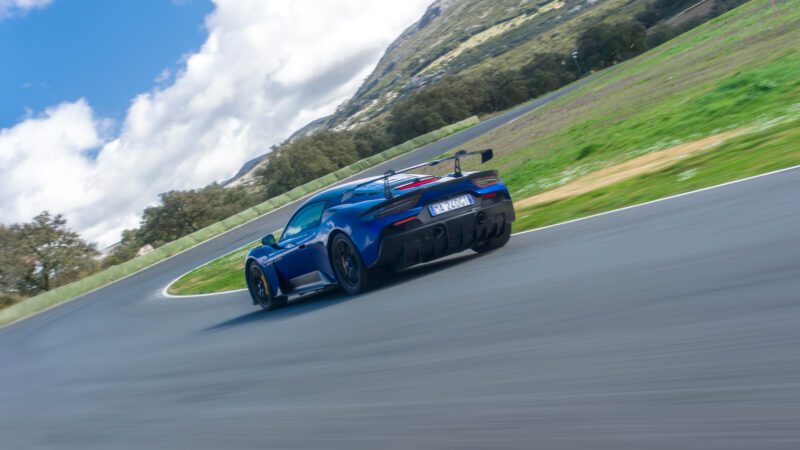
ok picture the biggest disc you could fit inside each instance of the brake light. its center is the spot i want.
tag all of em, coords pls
(406, 220)
(417, 183)
(489, 195)
(483, 182)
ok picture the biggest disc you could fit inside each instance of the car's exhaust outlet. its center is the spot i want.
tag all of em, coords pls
(481, 218)
(438, 231)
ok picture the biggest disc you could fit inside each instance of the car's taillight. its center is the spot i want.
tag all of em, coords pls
(406, 220)
(397, 206)
(483, 182)
(417, 183)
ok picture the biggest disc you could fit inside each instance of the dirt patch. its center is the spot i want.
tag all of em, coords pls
(652, 162)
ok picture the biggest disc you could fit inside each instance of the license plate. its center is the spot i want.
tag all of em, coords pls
(449, 205)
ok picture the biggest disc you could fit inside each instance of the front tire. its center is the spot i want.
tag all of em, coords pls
(259, 290)
(353, 276)
(495, 242)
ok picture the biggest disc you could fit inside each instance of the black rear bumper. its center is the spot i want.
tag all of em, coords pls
(438, 237)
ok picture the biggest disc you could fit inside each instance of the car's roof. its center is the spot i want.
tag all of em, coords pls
(368, 191)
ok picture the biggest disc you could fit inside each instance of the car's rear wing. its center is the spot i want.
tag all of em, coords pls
(485, 155)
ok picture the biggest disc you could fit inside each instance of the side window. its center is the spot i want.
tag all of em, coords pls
(305, 219)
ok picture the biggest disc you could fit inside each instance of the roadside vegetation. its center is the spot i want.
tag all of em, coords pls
(737, 72)
(732, 72)
(40, 255)
(64, 292)
(474, 37)
(447, 101)
(772, 148)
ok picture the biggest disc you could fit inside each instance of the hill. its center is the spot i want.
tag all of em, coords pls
(715, 104)
(455, 36)
(462, 36)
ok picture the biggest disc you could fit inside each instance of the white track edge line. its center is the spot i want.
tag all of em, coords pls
(580, 219)
(166, 294)
(662, 199)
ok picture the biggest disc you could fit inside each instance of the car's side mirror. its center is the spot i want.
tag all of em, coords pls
(268, 240)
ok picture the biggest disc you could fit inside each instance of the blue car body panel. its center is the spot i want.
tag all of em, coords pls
(300, 263)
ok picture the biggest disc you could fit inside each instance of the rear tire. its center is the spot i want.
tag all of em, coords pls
(495, 242)
(259, 290)
(353, 276)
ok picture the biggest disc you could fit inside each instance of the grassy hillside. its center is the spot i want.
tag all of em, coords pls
(739, 70)
(772, 148)
(475, 35)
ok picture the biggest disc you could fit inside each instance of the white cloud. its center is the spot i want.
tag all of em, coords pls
(163, 76)
(10, 8)
(266, 68)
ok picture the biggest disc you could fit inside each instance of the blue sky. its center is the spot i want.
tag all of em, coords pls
(86, 130)
(105, 51)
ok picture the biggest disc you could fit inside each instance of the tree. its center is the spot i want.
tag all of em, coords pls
(309, 157)
(547, 72)
(660, 33)
(12, 269)
(179, 214)
(659, 10)
(43, 254)
(604, 44)
(183, 212)
(504, 89)
(447, 101)
(371, 138)
(125, 250)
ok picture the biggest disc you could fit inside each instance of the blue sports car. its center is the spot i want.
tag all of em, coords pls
(353, 233)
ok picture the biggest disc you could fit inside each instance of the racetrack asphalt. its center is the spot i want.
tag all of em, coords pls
(671, 325)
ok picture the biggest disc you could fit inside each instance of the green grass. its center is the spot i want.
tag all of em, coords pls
(222, 274)
(772, 148)
(737, 70)
(73, 290)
